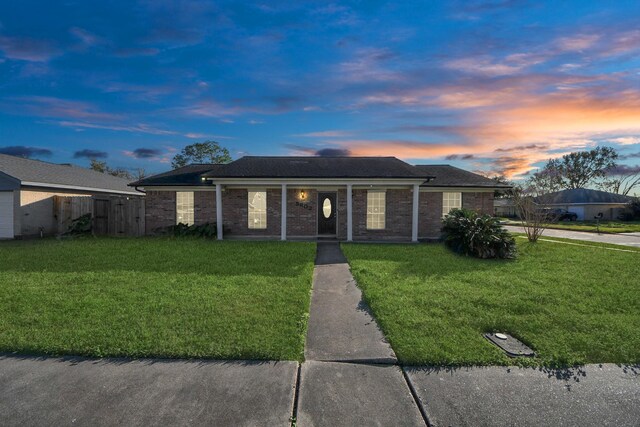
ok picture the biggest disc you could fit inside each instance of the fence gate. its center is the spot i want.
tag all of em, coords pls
(101, 217)
(111, 215)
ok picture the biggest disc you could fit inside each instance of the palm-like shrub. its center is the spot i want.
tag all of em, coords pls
(481, 236)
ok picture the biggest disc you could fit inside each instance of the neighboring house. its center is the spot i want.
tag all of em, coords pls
(28, 187)
(504, 208)
(588, 204)
(347, 198)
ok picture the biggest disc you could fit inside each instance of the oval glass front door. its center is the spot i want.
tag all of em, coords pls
(326, 208)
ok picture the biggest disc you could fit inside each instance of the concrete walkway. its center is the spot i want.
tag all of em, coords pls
(334, 390)
(341, 328)
(624, 239)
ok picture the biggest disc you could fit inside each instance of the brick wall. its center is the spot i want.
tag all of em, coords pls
(302, 215)
(160, 210)
(342, 215)
(204, 207)
(397, 221)
(479, 202)
(430, 215)
(235, 212)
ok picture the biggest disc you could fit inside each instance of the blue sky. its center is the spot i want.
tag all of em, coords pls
(496, 86)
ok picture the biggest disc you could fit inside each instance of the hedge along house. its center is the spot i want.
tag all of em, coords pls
(346, 198)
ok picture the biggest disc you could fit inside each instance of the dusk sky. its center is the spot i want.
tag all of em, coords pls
(497, 86)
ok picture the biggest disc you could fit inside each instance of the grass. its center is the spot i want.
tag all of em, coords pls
(605, 226)
(571, 306)
(187, 298)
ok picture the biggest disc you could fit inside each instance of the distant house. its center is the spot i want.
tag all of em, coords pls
(587, 203)
(28, 188)
(504, 208)
(342, 198)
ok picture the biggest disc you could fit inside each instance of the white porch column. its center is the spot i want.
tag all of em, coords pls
(349, 213)
(283, 209)
(219, 210)
(414, 222)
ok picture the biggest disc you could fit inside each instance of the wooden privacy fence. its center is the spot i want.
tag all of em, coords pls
(110, 215)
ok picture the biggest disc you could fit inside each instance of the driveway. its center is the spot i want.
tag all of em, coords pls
(625, 239)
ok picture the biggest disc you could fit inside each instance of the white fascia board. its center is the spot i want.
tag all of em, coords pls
(457, 190)
(317, 182)
(180, 188)
(78, 188)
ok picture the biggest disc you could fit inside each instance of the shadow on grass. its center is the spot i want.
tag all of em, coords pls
(158, 255)
(121, 361)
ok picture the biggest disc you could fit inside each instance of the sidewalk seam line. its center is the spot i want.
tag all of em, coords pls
(296, 396)
(416, 399)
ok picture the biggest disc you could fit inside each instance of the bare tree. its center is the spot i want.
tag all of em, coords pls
(621, 180)
(531, 201)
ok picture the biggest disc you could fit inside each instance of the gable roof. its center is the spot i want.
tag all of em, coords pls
(316, 167)
(450, 176)
(44, 174)
(585, 196)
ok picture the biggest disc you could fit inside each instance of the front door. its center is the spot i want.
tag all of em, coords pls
(327, 213)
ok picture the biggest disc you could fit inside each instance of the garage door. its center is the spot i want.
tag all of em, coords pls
(6, 214)
(578, 210)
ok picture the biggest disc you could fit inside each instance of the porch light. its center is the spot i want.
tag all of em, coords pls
(303, 195)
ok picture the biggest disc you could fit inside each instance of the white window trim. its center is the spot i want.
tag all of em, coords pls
(449, 201)
(251, 224)
(186, 206)
(383, 213)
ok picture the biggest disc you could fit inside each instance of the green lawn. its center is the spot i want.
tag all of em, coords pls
(605, 226)
(572, 304)
(155, 297)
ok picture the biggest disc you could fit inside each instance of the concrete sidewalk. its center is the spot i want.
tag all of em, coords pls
(110, 392)
(624, 239)
(593, 395)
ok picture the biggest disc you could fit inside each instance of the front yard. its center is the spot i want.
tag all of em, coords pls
(155, 297)
(573, 305)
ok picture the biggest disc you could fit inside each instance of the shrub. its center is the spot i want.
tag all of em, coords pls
(80, 225)
(631, 211)
(203, 230)
(468, 233)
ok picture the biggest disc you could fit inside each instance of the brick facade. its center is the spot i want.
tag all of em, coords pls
(160, 210)
(302, 214)
(235, 213)
(397, 219)
(479, 202)
(430, 215)
(204, 207)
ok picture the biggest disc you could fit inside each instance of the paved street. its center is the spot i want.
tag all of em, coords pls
(624, 239)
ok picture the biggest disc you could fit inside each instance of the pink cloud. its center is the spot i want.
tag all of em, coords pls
(28, 49)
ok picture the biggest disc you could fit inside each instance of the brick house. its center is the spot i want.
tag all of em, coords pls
(346, 198)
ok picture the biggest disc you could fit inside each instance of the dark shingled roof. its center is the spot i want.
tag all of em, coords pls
(186, 175)
(316, 167)
(585, 195)
(449, 176)
(36, 171)
(320, 168)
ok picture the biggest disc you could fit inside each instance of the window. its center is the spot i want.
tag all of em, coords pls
(184, 207)
(451, 201)
(376, 208)
(257, 209)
